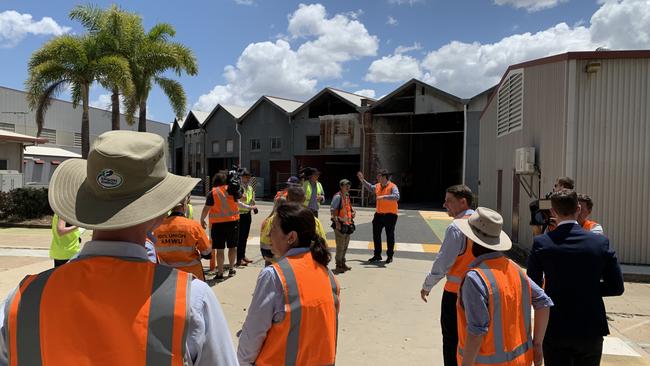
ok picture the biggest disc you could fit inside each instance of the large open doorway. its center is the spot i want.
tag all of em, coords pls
(333, 168)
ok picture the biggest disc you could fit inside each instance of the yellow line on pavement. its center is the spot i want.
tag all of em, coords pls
(431, 248)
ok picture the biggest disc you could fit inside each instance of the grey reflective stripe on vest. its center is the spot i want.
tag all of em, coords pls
(225, 208)
(295, 312)
(28, 327)
(336, 305)
(454, 279)
(501, 356)
(161, 317)
(526, 301)
(175, 248)
(181, 264)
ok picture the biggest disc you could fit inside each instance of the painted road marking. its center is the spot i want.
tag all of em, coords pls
(22, 252)
(617, 347)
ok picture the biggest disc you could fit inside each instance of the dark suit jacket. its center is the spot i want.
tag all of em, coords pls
(578, 268)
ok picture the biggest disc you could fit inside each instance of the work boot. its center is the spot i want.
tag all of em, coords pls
(375, 258)
(389, 259)
(339, 269)
(347, 268)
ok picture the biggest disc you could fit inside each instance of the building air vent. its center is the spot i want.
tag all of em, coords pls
(50, 135)
(510, 102)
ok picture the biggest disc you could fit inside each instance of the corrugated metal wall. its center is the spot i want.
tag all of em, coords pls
(612, 155)
(543, 127)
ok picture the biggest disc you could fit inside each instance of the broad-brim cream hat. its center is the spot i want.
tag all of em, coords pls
(123, 183)
(483, 227)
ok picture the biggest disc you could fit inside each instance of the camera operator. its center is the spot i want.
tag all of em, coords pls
(222, 203)
(342, 223)
(246, 206)
(541, 219)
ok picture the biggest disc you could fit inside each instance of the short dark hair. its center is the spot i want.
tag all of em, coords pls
(589, 203)
(565, 202)
(220, 179)
(295, 194)
(566, 183)
(384, 172)
(461, 191)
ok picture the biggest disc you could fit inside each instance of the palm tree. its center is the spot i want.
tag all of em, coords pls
(76, 61)
(154, 56)
(118, 32)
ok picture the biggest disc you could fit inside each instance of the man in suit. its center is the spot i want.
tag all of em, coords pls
(577, 268)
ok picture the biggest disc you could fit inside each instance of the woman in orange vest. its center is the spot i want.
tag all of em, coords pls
(293, 317)
(495, 299)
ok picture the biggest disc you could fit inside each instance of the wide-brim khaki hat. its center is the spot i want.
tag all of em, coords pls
(483, 227)
(123, 183)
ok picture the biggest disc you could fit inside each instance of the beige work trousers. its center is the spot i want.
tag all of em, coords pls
(342, 242)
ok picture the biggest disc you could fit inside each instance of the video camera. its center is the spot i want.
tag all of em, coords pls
(234, 182)
(540, 211)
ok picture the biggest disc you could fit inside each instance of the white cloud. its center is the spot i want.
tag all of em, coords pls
(530, 5)
(277, 68)
(405, 2)
(370, 93)
(103, 101)
(404, 49)
(466, 69)
(245, 2)
(14, 27)
(392, 21)
(393, 68)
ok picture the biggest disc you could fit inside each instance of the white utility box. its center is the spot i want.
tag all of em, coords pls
(10, 179)
(525, 161)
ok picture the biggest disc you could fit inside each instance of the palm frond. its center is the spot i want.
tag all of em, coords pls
(175, 93)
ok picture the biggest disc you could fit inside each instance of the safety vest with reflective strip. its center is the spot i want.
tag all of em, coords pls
(248, 198)
(308, 333)
(190, 212)
(100, 311)
(385, 206)
(308, 192)
(509, 339)
(461, 265)
(225, 208)
(265, 232)
(180, 242)
(66, 246)
(345, 209)
(588, 225)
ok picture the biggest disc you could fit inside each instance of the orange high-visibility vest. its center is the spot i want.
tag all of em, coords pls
(385, 206)
(588, 225)
(225, 208)
(180, 244)
(461, 265)
(345, 211)
(307, 334)
(100, 311)
(508, 341)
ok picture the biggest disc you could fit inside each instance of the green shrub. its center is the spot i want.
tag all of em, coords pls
(24, 204)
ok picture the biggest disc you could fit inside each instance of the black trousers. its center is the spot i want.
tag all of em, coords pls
(572, 352)
(448, 322)
(379, 222)
(245, 220)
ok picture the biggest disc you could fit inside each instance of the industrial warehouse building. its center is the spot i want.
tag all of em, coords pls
(586, 115)
(427, 138)
(62, 131)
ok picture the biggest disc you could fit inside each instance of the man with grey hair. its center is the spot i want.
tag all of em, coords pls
(111, 305)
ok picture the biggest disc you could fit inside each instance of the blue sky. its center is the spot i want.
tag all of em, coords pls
(293, 49)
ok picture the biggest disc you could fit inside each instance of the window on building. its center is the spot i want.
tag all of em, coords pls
(37, 172)
(255, 168)
(313, 142)
(7, 127)
(77, 139)
(276, 143)
(215, 147)
(50, 135)
(3, 164)
(198, 148)
(510, 102)
(229, 145)
(190, 150)
(255, 145)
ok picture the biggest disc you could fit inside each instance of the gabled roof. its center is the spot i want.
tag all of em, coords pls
(352, 99)
(200, 116)
(287, 106)
(234, 110)
(583, 55)
(9, 136)
(407, 84)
